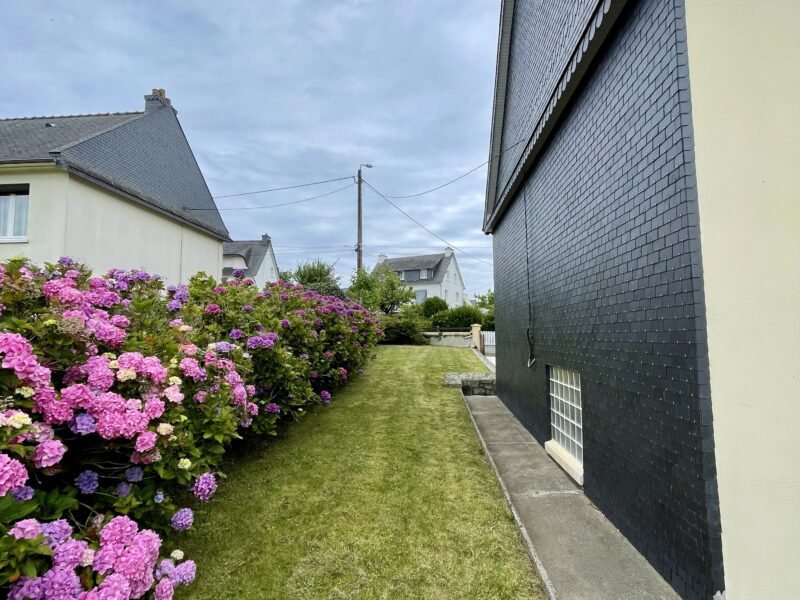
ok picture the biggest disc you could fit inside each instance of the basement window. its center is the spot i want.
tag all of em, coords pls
(566, 421)
(13, 214)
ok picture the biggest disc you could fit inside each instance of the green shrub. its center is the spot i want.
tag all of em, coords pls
(433, 305)
(488, 321)
(402, 330)
(461, 316)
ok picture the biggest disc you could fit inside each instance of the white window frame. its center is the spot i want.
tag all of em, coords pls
(402, 275)
(15, 239)
(566, 420)
(423, 273)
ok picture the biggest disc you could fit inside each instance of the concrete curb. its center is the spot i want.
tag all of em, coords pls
(550, 590)
(484, 360)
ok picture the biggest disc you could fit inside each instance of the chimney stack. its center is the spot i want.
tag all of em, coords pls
(156, 100)
(382, 257)
(448, 251)
(265, 239)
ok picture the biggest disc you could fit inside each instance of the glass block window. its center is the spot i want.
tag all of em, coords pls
(566, 413)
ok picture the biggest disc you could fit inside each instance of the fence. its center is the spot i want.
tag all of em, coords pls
(487, 342)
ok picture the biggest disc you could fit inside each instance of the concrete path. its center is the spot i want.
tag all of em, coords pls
(579, 554)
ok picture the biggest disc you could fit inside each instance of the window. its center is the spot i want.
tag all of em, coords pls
(14, 215)
(445, 295)
(402, 275)
(423, 273)
(421, 296)
(566, 421)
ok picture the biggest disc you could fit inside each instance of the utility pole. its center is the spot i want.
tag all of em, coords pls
(360, 243)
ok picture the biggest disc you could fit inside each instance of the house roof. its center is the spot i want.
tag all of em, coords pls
(252, 251)
(32, 139)
(143, 156)
(437, 262)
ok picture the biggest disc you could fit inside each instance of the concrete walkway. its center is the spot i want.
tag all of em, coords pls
(578, 553)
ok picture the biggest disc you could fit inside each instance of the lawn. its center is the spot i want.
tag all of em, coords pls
(384, 494)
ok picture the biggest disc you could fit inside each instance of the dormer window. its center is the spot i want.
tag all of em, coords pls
(423, 273)
(402, 275)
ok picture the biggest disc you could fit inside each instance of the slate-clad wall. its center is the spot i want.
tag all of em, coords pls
(616, 282)
(543, 37)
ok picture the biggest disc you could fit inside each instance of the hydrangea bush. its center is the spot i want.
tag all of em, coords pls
(118, 401)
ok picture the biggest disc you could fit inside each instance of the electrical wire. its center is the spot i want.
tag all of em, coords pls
(288, 187)
(453, 246)
(349, 185)
(452, 181)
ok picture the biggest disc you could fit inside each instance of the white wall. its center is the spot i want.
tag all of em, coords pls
(70, 217)
(268, 271)
(745, 85)
(454, 285)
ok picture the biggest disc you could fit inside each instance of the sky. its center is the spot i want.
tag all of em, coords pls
(282, 92)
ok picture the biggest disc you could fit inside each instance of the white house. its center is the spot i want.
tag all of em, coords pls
(111, 190)
(255, 257)
(430, 275)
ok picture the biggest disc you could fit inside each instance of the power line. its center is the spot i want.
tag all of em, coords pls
(425, 228)
(438, 187)
(349, 185)
(288, 187)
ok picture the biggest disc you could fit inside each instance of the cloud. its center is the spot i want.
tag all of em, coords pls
(276, 93)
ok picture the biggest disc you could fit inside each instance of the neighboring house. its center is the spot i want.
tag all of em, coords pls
(111, 190)
(255, 257)
(430, 275)
(643, 201)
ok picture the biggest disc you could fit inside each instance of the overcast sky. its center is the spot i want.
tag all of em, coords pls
(274, 93)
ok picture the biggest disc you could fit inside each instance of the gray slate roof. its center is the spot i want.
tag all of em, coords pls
(437, 262)
(252, 251)
(143, 156)
(30, 139)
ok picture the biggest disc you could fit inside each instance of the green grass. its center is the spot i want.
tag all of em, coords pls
(385, 494)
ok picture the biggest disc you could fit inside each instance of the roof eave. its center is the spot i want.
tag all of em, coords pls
(596, 32)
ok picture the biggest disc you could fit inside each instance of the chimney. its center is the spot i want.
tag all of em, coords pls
(448, 251)
(157, 100)
(265, 239)
(382, 257)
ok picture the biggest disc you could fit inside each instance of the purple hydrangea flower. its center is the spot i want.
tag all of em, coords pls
(248, 308)
(285, 323)
(212, 309)
(174, 305)
(205, 486)
(238, 273)
(184, 573)
(22, 493)
(83, 424)
(236, 334)
(87, 482)
(182, 520)
(124, 489)
(66, 261)
(223, 347)
(134, 474)
(159, 497)
(326, 397)
(273, 408)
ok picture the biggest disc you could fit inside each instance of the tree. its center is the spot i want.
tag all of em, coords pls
(485, 300)
(380, 290)
(319, 276)
(433, 305)
(392, 292)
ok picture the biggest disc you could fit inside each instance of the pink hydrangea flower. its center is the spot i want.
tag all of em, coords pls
(12, 474)
(146, 441)
(48, 453)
